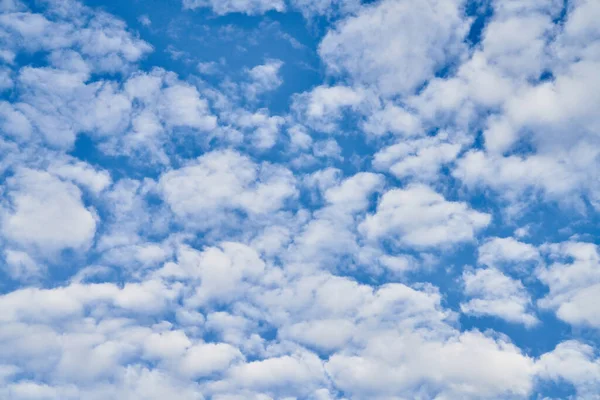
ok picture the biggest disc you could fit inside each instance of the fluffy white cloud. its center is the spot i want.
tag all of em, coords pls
(574, 282)
(327, 334)
(21, 266)
(499, 252)
(395, 45)
(60, 103)
(420, 159)
(101, 39)
(492, 293)
(418, 216)
(43, 213)
(397, 341)
(553, 117)
(249, 7)
(576, 363)
(131, 383)
(263, 78)
(310, 8)
(271, 267)
(219, 182)
(222, 272)
(82, 174)
(322, 107)
(393, 119)
(301, 372)
(208, 358)
(402, 364)
(14, 122)
(262, 128)
(332, 233)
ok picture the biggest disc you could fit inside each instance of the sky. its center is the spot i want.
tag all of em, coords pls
(299, 199)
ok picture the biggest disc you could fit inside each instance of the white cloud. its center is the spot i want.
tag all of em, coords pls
(101, 39)
(420, 159)
(129, 218)
(219, 182)
(20, 266)
(352, 194)
(144, 20)
(46, 214)
(574, 283)
(332, 232)
(466, 366)
(395, 45)
(300, 372)
(14, 122)
(327, 334)
(574, 362)
(249, 7)
(515, 176)
(231, 277)
(500, 252)
(393, 119)
(310, 8)
(491, 293)
(6, 81)
(209, 68)
(223, 272)
(515, 41)
(208, 358)
(554, 117)
(418, 216)
(263, 78)
(322, 107)
(82, 174)
(60, 103)
(263, 128)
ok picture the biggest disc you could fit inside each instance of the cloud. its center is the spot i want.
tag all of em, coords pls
(249, 7)
(206, 191)
(551, 117)
(573, 280)
(223, 272)
(332, 232)
(492, 293)
(395, 45)
(264, 78)
(286, 372)
(311, 8)
(418, 216)
(62, 103)
(82, 174)
(45, 214)
(405, 363)
(322, 107)
(21, 266)
(262, 128)
(102, 40)
(574, 362)
(196, 243)
(144, 20)
(420, 159)
(507, 253)
(393, 119)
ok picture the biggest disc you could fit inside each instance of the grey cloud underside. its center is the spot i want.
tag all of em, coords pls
(233, 275)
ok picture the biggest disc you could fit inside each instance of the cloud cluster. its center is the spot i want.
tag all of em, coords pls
(418, 222)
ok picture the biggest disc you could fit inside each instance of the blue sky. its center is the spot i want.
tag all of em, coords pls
(299, 199)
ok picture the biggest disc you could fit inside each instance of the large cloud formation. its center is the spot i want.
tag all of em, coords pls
(419, 221)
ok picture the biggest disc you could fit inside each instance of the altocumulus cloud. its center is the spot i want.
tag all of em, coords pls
(299, 199)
